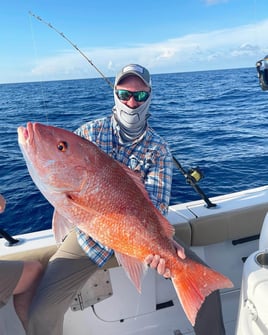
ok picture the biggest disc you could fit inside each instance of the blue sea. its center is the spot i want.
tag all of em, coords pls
(216, 120)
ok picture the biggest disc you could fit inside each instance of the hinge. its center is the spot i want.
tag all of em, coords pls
(96, 289)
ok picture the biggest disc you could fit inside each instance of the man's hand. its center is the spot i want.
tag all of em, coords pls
(158, 263)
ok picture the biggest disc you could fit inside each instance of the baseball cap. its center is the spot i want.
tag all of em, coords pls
(134, 69)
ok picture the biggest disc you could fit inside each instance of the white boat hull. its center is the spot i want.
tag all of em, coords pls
(224, 237)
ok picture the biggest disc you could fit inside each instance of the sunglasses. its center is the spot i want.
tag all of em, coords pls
(139, 96)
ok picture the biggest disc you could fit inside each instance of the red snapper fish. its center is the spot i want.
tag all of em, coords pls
(107, 200)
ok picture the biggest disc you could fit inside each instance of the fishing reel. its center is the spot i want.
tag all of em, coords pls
(195, 174)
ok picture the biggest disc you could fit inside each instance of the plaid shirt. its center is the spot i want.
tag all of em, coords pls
(149, 155)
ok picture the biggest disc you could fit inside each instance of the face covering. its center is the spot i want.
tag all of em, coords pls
(131, 122)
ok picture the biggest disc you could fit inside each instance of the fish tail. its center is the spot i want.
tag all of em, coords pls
(194, 283)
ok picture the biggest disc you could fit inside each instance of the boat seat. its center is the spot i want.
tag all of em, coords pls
(236, 224)
(183, 232)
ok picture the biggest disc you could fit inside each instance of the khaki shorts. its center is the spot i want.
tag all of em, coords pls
(10, 273)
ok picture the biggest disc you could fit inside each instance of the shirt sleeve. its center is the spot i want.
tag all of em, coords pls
(158, 180)
(85, 131)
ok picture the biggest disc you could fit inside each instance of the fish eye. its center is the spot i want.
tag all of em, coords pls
(62, 146)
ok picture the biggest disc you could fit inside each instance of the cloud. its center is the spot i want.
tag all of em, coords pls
(65, 62)
(217, 49)
(214, 2)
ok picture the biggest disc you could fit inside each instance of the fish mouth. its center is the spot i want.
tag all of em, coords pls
(25, 135)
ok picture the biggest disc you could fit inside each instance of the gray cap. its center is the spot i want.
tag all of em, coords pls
(136, 70)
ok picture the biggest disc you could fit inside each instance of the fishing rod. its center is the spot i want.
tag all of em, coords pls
(11, 241)
(73, 45)
(191, 177)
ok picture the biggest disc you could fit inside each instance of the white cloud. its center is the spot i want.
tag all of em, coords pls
(66, 63)
(214, 2)
(203, 51)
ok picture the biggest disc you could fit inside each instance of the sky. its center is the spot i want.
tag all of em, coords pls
(166, 36)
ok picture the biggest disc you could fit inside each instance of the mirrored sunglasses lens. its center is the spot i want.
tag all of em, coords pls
(123, 94)
(140, 96)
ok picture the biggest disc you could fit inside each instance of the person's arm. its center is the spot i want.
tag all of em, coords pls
(158, 180)
(2, 204)
(158, 184)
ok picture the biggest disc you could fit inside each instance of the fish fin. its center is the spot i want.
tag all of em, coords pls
(134, 269)
(74, 199)
(60, 226)
(194, 283)
(136, 176)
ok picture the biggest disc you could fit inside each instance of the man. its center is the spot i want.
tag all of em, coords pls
(126, 136)
(263, 72)
(19, 279)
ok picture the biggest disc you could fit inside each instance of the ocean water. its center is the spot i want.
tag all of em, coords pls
(216, 120)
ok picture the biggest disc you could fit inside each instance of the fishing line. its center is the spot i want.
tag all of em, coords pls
(189, 176)
(41, 81)
(255, 21)
(74, 46)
